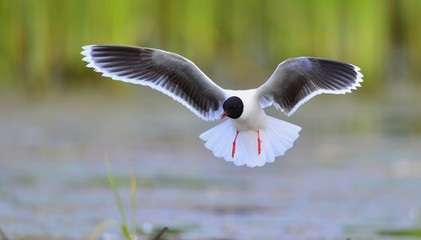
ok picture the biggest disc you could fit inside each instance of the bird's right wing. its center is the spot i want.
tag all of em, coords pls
(297, 80)
(164, 71)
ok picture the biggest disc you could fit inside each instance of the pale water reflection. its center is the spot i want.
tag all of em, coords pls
(354, 172)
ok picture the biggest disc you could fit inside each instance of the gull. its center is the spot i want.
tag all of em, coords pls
(247, 136)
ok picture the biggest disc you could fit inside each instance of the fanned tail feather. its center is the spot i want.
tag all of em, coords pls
(277, 137)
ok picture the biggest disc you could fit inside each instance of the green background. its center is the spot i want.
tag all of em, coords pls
(238, 42)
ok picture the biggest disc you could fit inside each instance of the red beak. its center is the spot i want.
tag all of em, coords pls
(224, 114)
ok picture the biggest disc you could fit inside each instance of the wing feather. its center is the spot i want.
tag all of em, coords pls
(296, 80)
(164, 71)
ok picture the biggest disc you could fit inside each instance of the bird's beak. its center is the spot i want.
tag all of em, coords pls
(224, 114)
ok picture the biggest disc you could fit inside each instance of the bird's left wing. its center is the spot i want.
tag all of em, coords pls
(296, 80)
(164, 71)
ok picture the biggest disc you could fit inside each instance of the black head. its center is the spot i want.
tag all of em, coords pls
(233, 107)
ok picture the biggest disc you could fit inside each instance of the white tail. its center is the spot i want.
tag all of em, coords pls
(277, 137)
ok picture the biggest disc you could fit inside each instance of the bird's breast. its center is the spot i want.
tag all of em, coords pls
(253, 118)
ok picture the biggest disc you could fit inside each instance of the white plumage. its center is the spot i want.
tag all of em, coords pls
(249, 137)
(276, 137)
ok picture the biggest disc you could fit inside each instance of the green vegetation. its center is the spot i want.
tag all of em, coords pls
(129, 230)
(415, 232)
(41, 39)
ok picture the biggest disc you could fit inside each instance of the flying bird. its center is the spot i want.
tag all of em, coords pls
(248, 136)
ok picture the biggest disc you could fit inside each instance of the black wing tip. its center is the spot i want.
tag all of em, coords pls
(110, 48)
(324, 76)
(349, 72)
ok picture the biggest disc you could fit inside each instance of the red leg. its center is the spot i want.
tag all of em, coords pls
(234, 144)
(259, 146)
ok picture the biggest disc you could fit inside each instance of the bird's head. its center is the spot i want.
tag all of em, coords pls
(233, 108)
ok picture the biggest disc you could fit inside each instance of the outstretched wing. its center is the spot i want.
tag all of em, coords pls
(164, 71)
(296, 80)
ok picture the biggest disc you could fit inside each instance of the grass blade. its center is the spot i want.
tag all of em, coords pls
(100, 228)
(133, 198)
(114, 186)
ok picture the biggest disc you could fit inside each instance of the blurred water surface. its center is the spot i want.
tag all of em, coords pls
(354, 171)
